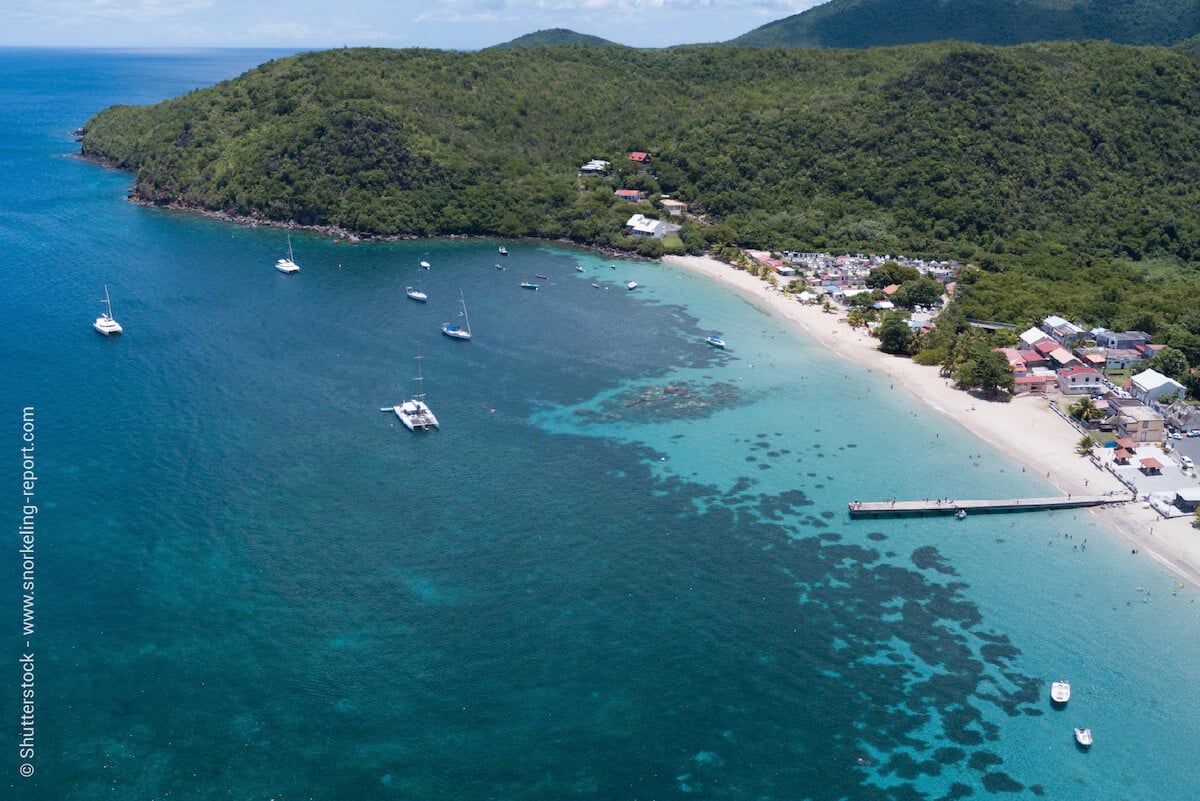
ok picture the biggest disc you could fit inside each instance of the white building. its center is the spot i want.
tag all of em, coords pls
(642, 225)
(1150, 385)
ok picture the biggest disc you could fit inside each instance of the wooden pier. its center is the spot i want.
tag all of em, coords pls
(953, 506)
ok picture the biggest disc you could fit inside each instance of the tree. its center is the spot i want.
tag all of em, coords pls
(1085, 445)
(1085, 410)
(890, 273)
(923, 291)
(1170, 362)
(987, 369)
(894, 334)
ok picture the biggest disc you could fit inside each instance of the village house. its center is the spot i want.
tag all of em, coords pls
(1032, 337)
(1080, 380)
(639, 157)
(642, 226)
(1182, 416)
(674, 207)
(1062, 331)
(1121, 359)
(595, 166)
(1122, 340)
(1150, 385)
(628, 195)
(1096, 358)
(1138, 423)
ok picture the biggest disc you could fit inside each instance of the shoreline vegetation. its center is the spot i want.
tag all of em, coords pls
(1024, 428)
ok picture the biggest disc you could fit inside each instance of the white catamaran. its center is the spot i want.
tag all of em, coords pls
(414, 413)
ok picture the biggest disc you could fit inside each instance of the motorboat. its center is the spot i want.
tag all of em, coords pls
(632, 285)
(415, 294)
(961, 514)
(459, 331)
(503, 251)
(715, 340)
(1083, 737)
(578, 268)
(288, 265)
(105, 324)
(1060, 692)
(528, 285)
(543, 277)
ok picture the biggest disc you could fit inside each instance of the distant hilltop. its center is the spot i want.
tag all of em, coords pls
(555, 36)
(875, 23)
(885, 23)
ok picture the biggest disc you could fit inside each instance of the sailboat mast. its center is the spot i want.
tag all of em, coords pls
(420, 395)
(466, 319)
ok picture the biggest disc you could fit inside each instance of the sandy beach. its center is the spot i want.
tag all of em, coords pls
(1026, 428)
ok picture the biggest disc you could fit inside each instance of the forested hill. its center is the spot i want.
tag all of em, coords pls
(871, 23)
(554, 36)
(1035, 155)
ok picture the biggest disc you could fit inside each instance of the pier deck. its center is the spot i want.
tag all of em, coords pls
(949, 507)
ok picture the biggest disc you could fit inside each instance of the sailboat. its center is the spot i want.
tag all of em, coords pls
(415, 293)
(425, 262)
(414, 413)
(457, 332)
(288, 265)
(105, 323)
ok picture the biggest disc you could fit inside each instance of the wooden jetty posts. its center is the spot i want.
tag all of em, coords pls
(897, 508)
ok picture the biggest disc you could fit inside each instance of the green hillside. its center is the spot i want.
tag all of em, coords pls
(871, 23)
(552, 37)
(1070, 163)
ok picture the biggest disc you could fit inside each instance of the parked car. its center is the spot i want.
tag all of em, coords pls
(1186, 463)
(1174, 435)
(1195, 432)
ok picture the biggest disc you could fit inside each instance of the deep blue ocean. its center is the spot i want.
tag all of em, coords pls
(621, 570)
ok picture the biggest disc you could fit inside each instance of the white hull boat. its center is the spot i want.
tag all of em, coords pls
(459, 331)
(288, 265)
(105, 324)
(415, 414)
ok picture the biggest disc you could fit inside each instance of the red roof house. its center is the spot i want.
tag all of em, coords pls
(639, 157)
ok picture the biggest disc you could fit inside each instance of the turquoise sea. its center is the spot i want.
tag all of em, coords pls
(621, 570)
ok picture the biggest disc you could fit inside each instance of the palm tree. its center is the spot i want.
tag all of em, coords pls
(1085, 410)
(1085, 445)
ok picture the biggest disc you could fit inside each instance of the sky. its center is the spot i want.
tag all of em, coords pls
(319, 24)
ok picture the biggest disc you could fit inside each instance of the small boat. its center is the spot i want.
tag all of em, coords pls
(715, 340)
(503, 250)
(414, 413)
(288, 265)
(456, 331)
(415, 294)
(500, 267)
(1060, 692)
(424, 263)
(1083, 737)
(543, 277)
(632, 285)
(527, 285)
(578, 268)
(961, 514)
(105, 324)
(595, 285)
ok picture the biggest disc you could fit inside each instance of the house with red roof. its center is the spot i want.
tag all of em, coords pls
(639, 157)
(628, 195)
